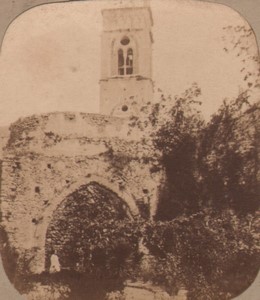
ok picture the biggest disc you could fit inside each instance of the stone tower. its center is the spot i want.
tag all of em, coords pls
(126, 62)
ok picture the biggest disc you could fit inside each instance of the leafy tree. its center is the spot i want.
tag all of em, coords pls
(174, 125)
(228, 157)
(241, 41)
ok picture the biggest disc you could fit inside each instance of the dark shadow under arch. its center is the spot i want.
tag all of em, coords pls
(84, 226)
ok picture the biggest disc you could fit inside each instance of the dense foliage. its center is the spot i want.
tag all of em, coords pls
(213, 255)
(228, 157)
(212, 173)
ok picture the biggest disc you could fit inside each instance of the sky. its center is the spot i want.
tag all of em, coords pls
(50, 58)
(10, 9)
(249, 9)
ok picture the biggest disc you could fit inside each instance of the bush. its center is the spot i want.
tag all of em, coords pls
(211, 254)
(228, 158)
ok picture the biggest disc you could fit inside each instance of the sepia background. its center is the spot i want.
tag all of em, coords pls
(9, 111)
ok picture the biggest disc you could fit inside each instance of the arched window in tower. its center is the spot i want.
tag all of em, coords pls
(121, 62)
(129, 61)
(125, 57)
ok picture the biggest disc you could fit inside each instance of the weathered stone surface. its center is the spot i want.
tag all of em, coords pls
(50, 156)
(4, 134)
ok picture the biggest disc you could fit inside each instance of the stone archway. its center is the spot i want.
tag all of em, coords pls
(81, 227)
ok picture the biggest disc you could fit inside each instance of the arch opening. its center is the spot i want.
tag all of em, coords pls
(124, 57)
(88, 232)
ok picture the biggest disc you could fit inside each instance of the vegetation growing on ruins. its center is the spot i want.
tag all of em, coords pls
(204, 234)
(212, 169)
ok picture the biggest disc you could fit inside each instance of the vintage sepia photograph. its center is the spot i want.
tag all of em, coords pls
(129, 150)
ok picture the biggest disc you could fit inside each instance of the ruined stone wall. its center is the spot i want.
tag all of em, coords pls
(4, 135)
(50, 156)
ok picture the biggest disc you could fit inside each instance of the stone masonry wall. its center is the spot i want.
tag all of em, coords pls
(50, 156)
(4, 134)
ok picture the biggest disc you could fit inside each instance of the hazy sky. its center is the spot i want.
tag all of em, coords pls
(50, 59)
(10, 9)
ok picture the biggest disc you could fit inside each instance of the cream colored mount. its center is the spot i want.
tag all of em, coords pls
(126, 61)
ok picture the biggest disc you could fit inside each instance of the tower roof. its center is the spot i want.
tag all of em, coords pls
(127, 18)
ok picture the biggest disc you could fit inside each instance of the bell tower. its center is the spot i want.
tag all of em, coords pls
(126, 62)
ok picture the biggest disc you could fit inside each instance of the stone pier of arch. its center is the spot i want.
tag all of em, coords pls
(48, 157)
